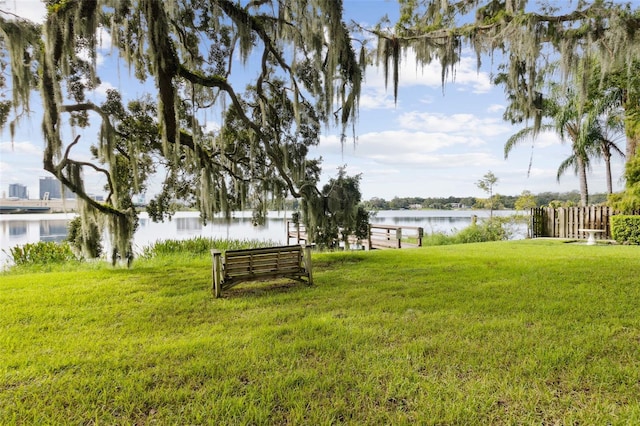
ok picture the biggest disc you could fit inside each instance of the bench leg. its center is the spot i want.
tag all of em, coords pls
(215, 273)
(307, 263)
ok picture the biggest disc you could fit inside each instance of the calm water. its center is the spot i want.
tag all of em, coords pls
(29, 228)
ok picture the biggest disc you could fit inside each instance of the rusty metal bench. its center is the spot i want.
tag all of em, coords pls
(236, 266)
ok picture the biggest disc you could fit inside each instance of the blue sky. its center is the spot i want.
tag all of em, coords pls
(433, 142)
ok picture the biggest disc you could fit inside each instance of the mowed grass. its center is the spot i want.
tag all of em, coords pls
(521, 332)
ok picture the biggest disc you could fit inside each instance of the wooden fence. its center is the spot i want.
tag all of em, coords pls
(569, 221)
(380, 236)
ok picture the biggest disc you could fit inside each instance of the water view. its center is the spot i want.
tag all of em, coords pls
(19, 229)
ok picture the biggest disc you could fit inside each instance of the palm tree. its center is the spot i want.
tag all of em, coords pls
(590, 127)
(610, 132)
(579, 158)
(607, 113)
(582, 146)
(571, 121)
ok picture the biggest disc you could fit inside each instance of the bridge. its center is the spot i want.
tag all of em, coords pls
(16, 206)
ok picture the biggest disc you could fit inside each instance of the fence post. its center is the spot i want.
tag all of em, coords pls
(399, 237)
(420, 235)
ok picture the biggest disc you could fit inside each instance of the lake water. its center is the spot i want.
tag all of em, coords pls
(30, 228)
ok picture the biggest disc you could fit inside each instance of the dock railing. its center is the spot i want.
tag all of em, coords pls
(394, 236)
(380, 236)
(297, 232)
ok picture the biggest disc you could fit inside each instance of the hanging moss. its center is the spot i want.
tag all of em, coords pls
(607, 32)
(259, 155)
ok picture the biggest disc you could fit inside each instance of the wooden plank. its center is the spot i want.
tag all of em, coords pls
(394, 227)
(264, 250)
(262, 259)
(384, 244)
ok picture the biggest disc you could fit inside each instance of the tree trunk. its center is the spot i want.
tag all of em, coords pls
(582, 175)
(607, 164)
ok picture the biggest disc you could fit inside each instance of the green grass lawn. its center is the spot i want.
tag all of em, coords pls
(521, 332)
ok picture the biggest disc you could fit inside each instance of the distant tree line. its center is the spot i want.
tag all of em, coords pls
(557, 199)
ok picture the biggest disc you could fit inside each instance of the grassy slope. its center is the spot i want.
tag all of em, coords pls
(511, 332)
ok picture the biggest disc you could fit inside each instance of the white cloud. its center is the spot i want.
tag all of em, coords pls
(376, 99)
(84, 55)
(495, 108)
(393, 142)
(101, 90)
(458, 124)
(212, 126)
(104, 39)
(466, 77)
(103, 45)
(20, 148)
(547, 139)
(33, 10)
(408, 149)
(437, 161)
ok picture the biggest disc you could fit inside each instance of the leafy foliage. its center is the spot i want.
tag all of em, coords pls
(625, 229)
(487, 183)
(340, 213)
(85, 241)
(629, 199)
(489, 230)
(526, 201)
(41, 253)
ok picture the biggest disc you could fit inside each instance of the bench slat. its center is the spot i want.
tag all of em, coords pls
(261, 261)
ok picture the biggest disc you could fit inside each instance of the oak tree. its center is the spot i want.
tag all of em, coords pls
(305, 75)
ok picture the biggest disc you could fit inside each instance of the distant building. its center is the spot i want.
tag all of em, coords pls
(17, 190)
(51, 189)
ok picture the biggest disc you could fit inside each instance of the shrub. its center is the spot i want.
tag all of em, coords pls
(625, 229)
(199, 246)
(495, 229)
(438, 239)
(41, 253)
(489, 230)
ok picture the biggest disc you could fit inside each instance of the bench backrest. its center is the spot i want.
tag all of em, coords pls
(284, 259)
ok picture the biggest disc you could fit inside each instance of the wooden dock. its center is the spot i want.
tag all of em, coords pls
(379, 236)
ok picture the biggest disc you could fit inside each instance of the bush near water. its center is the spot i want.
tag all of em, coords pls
(41, 253)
